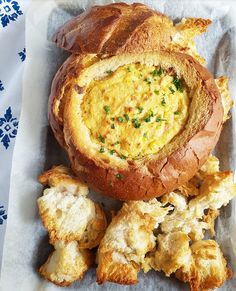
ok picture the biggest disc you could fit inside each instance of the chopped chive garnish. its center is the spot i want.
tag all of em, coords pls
(120, 119)
(171, 90)
(112, 152)
(123, 157)
(159, 119)
(178, 85)
(148, 81)
(102, 139)
(119, 176)
(163, 101)
(148, 118)
(102, 150)
(145, 134)
(126, 117)
(156, 92)
(116, 143)
(176, 113)
(113, 118)
(140, 109)
(113, 126)
(109, 72)
(129, 69)
(136, 122)
(157, 72)
(106, 109)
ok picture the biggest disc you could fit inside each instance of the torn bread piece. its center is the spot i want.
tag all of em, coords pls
(173, 252)
(70, 215)
(223, 86)
(216, 191)
(208, 269)
(192, 187)
(127, 239)
(189, 189)
(66, 264)
(183, 41)
(63, 179)
(211, 166)
(210, 218)
(186, 31)
(201, 264)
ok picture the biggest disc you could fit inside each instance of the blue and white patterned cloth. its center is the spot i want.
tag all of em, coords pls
(12, 57)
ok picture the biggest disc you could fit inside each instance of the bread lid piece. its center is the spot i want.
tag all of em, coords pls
(115, 28)
(154, 172)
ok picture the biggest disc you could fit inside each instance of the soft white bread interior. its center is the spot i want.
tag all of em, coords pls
(70, 216)
(216, 191)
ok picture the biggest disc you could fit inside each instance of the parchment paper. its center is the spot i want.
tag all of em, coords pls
(26, 246)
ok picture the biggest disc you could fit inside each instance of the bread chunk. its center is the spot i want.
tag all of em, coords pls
(66, 264)
(63, 179)
(223, 86)
(172, 253)
(216, 191)
(128, 238)
(185, 32)
(208, 269)
(70, 216)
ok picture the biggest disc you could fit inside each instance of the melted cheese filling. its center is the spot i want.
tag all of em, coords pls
(135, 110)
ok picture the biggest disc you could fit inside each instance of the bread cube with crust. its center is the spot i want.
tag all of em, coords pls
(216, 191)
(127, 240)
(172, 252)
(70, 216)
(63, 179)
(208, 269)
(66, 264)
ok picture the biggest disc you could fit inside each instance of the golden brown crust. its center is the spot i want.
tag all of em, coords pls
(66, 264)
(63, 177)
(210, 218)
(185, 32)
(69, 69)
(116, 28)
(208, 269)
(191, 188)
(223, 86)
(127, 239)
(188, 189)
(156, 176)
(108, 270)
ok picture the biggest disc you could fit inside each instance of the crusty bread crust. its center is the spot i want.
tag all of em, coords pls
(60, 86)
(115, 28)
(154, 175)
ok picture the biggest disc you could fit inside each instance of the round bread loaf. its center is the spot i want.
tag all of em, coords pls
(114, 29)
(135, 125)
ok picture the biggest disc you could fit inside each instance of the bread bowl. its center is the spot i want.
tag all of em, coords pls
(144, 172)
(118, 146)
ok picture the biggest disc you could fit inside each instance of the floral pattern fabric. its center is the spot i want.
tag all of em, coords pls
(12, 58)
